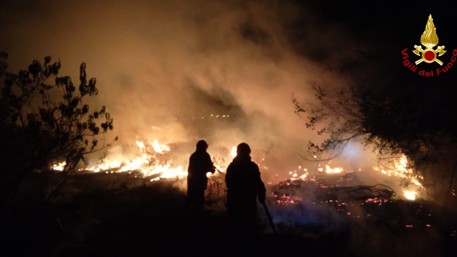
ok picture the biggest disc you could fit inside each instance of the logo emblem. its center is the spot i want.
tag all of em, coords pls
(429, 40)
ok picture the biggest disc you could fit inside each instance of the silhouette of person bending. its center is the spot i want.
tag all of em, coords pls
(244, 187)
(199, 164)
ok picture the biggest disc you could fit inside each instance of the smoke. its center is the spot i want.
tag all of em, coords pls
(361, 227)
(178, 71)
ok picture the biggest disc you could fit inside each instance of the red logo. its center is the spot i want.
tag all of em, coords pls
(429, 40)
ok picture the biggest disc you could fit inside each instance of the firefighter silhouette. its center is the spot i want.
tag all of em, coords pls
(244, 187)
(199, 164)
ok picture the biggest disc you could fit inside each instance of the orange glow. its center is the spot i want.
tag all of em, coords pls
(409, 195)
(233, 151)
(154, 163)
(146, 163)
(330, 170)
(59, 166)
(399, 168)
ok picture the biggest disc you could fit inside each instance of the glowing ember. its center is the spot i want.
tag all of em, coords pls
(59, 166)
(294, 174)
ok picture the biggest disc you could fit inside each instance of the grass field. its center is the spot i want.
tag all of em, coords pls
(120, 215)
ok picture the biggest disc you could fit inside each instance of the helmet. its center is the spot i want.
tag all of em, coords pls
(202, 145)
(243, 149)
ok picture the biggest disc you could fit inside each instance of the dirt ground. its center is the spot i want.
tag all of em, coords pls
(97, 215)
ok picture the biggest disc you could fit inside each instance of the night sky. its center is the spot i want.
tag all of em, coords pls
(163, 65)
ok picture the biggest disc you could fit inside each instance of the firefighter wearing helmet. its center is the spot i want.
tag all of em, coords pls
(199, 164)
(244, 188)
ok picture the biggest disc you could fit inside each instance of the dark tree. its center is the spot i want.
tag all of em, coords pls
(386, 105)
(412, 116)
(46, 119)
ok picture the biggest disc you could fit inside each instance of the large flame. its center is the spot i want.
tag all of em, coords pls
(153, 162)
(150, 163)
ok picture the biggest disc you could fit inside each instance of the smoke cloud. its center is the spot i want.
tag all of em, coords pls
(178, 71)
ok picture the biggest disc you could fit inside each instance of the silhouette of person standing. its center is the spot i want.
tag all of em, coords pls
(199, 164)
(244, 187)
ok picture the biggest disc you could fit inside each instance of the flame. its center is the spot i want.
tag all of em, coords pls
(399, 168)
(330, 170)
(59, 166)
(410, 195)
(233, 152)
(149, 163)
(154, 163)
(429, 37)
(294, 174)
(160, 148)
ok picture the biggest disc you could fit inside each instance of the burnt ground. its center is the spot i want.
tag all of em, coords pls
(118, 215)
